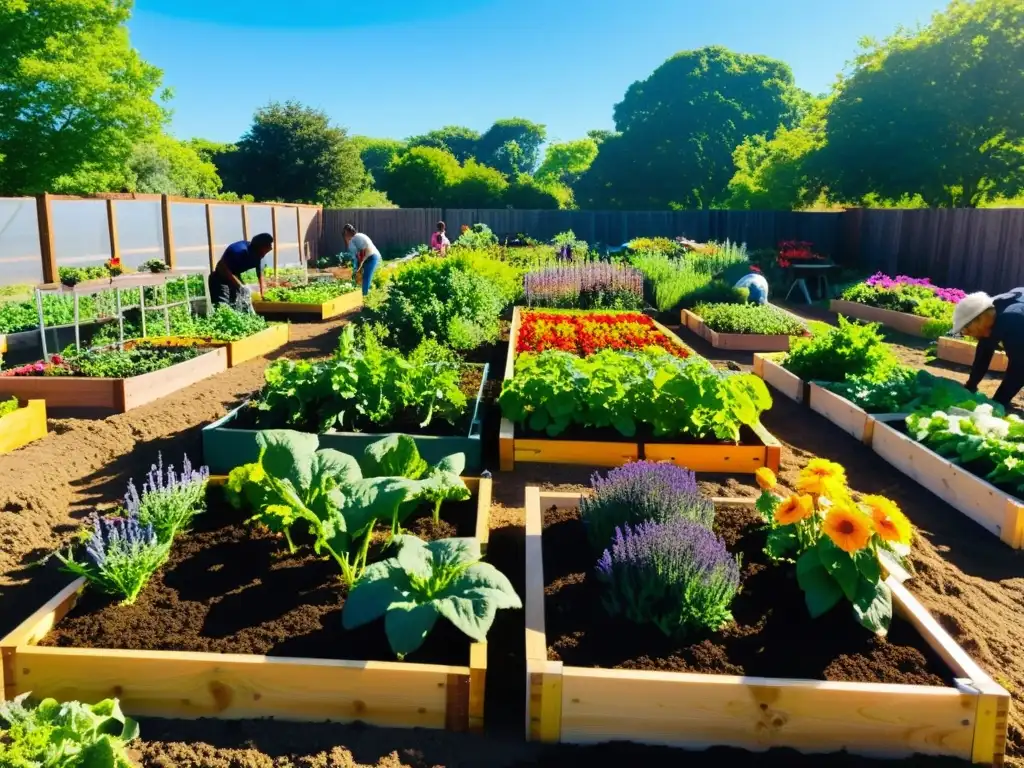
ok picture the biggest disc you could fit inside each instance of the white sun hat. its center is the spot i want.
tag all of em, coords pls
(970, 306)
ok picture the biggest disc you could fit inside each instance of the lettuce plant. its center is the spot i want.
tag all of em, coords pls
(71, 735)
(847, 350)
(426, 580)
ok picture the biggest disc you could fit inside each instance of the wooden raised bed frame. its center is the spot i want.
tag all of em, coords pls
(766, 365)
(82, 394)
(739, 342)
(585, 706)
(995, 510)
(23, 426)
(962, 352)
(694, 456)
(339, 305)
(226, 686)
(912, 325)
(261, 343)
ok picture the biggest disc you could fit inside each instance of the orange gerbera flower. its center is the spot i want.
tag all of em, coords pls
(822, 477)
(765, 479)
(849, 529)
(794, 509)
(890, 523)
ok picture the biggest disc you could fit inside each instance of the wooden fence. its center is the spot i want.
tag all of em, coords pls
(965, 248)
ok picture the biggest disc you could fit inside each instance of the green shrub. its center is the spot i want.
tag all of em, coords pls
(848, 350)
(478, 236)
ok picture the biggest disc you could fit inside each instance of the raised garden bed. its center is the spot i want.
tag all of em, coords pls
(594, 679)
(241, 351)
(740, 342)
(607, 448)
(912, 325)
(962, 352)
(23, 426)
(347, 302)
(226, 444)
(233, 627)
(997, 511)
(850, 418)
(769, 367)
(87, 396)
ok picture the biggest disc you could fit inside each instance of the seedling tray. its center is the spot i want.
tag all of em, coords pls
(80, 395)
(962, 352)
(590, 705)
(738, 342)
(347, 302)
(235, 686)
(904, 322)
(23, 426)
(226, 447)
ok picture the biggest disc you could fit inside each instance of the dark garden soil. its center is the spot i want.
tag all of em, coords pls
(970, 581)
(772, 635)
(234, 588)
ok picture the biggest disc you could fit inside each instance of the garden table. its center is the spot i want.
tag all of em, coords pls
(819, 272)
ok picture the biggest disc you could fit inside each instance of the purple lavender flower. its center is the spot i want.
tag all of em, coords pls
(168, 501)
(676, 575)
(594, 285)
(642, 491)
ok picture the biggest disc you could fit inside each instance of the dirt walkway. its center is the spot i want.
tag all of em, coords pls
(971, 582)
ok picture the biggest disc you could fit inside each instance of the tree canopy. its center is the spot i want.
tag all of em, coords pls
(512, 145)
(565, 162)
(164, 165)
(377, 154)
(457, 140)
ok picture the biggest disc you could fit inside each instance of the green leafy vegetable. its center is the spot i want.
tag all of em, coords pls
(319, 292)
(847, 350)
(426, 580)
(763, 320)
(8, 406)
(904, 390)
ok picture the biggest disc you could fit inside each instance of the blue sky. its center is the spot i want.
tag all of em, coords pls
(396, 68)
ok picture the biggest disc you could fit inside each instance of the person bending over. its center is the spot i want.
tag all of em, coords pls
(994, 320)
(226, 284)
(756, 285)
(365, 256)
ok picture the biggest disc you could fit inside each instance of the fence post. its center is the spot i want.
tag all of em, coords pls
(115, 243)
(273, 233)
(245, 223)
(209, 237)
(44, 214)
(165, 215)
(298, 231)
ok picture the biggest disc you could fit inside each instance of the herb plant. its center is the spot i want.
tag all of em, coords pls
(49, 734)
(121, 554)
(137, 360)
(155, 266)
(764, 320)
(847, 350)
(223, 324)
(676, 575)
(627, 390)
(8, 406)
(642, 491)
(168, 501)
(72, 276)
(595, 285)
(698, 277)
(319, 292)
(904, 390)
(426, 580)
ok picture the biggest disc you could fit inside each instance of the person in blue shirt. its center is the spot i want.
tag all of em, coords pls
(226, 279)
(756, 285)
(994, 320)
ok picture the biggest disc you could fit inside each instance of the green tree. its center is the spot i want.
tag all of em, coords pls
(937, 111)
(421, 177)
(164, 165)
(512, 145)
(600, 134)
(75, 97)
(679, 127)
(293, 153)
(527, 193)
(457, 140)
(478, 187)
(377, 154)
(567, 161)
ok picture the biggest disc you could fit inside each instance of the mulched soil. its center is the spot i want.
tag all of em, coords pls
(971, 582)
(771, 620)
(234, 588)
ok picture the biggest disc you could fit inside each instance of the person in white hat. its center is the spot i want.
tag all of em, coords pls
(756, 285)
(994, 320)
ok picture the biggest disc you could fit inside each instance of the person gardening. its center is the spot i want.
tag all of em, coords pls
(994, 320)
(226, 284)
(439, 240)
(365, 256)
(756, 285)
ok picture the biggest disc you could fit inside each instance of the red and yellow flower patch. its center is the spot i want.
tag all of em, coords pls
(584, 333)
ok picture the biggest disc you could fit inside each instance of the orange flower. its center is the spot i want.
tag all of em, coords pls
(890, 523)
(765, 479)
(822, 477)
(794, 509)
(849, 529)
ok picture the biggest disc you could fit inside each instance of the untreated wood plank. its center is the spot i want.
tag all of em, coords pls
(596, 454)
(259, 344)
(853, 420)
(962, 352)
(168, 231)
(767, 367)
(912, 325)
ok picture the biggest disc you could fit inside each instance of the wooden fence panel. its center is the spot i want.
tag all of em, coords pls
(389, 228)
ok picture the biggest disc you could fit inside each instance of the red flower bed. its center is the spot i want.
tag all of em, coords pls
(585, 333)
(797, 250)
(56, 366)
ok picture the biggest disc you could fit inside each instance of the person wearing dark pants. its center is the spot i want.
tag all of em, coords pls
(226, 284)
(364, 254)
(994, 320)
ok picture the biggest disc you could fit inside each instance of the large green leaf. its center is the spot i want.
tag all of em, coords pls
(339, 467)
(840, 566)
(393, 456)
(873, 606)
(413, 556)
(821, 592)
(486, 580)
(381, 585)
(407, 626)
(288, 455)
(473, 614)
(447, 552)
(454, 464)
(375, 499)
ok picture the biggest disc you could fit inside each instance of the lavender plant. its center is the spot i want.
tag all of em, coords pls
(676, 575)
(168, 501)
(638, 492)
(121, 555)
(594, 285)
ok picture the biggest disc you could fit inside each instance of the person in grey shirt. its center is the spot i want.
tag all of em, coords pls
(364, 254)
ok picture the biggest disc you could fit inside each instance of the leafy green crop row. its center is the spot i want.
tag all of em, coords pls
(903, 390)
(674, 283)
(671, 397)
(848, 350)
(757, 319)
(317, 292)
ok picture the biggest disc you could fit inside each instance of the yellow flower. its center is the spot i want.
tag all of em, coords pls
(849, 529)
(822, 477)
(765, 479)
(890, 523)
(794, 509)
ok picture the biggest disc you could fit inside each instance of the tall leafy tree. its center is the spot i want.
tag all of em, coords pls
(565, 162)
(937, 111)
(599, 135)
(75, 97)
(679, 127)
(293, 152)
(377, 154)
(512, 145)
(421, 177)
(164, 165)
(457, 140)
(478, 187)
